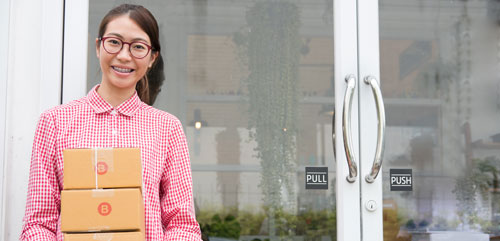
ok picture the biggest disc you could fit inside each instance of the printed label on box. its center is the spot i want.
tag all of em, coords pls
(104, 209)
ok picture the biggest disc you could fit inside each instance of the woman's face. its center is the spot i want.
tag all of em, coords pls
(121, 70)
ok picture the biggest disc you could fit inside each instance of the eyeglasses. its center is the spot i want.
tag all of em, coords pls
(114, 45)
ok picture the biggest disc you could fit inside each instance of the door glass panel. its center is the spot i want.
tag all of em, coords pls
(252, 83)
(440, 81)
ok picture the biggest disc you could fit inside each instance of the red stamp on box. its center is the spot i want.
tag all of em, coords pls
(104, 209)
(102, 168)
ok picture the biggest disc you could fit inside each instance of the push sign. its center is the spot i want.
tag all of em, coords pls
(316, 177)
(401, 180)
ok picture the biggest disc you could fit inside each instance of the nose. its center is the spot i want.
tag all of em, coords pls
(124, 53)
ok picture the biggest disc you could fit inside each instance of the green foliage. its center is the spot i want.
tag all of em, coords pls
(475, 181)
(251, 222)
(311, 225)
(227, 227)
(314, 224)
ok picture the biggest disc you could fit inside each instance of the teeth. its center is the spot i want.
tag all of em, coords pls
(122, 70)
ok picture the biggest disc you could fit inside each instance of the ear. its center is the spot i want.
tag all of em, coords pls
(97, 47)
(153, 59)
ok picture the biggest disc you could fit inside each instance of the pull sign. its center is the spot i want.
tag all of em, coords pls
(401, 180)
(316, 177)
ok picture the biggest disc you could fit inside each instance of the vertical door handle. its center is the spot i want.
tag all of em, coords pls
(346, 128)
(379, 103)
(333, 136)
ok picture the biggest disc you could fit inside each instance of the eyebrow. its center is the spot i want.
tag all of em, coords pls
(133, 40)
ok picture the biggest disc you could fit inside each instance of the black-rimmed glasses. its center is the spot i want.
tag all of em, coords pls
(114, 45)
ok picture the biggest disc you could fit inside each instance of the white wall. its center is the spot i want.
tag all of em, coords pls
(4, 41)
(33, 85)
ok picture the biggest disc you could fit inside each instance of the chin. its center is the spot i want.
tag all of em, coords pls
(128, 85)
(120, 84)
(123, 83)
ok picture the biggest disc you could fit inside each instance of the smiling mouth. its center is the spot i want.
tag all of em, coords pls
(121, 70)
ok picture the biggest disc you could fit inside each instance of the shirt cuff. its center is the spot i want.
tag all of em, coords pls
(181, 236)
(38, 234)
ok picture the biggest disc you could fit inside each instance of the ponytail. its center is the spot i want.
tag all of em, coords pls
(142, 89)
(149, 86)
(156, 76)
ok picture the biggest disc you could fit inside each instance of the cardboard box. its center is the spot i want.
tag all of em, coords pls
(102, 210)
(114, 168)
(121, 236)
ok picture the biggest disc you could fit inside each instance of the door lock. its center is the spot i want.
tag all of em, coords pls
(371, 205)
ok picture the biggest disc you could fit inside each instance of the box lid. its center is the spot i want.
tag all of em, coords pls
(102, 168)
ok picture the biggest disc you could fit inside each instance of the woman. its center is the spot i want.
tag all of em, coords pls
(116, 114)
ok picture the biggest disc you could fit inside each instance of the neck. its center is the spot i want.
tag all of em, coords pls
(114, 96)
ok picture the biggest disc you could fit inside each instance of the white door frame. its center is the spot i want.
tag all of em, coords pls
(76, 37)
(357, 52)
(346, 63)
(368, 47)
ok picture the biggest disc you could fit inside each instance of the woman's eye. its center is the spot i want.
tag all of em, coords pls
(113, 41)
(139, 47)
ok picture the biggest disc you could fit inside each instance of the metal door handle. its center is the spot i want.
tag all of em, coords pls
(346, 128)
(379, 103)
(333, 136)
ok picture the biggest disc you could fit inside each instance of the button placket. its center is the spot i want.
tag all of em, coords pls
(114, 127)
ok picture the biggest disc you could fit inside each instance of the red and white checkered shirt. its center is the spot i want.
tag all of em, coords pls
(91, 122)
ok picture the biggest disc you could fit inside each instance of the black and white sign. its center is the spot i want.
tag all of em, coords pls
(401, 180)
(316, 177)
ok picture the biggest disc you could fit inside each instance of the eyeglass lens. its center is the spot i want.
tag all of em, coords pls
(137, 49)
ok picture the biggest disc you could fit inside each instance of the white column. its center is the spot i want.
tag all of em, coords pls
(33, 85)
(4, 41)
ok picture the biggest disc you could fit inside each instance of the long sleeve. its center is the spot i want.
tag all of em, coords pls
(176, 195)
(92, 122)
(43, 202)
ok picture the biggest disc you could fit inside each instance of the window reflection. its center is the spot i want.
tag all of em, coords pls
(205, 45)
(439, 71)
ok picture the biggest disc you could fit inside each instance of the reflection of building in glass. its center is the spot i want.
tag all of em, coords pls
(440, 116)
(221, 99)
(228, 153)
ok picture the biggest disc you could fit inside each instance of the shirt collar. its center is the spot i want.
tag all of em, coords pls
(128, 108)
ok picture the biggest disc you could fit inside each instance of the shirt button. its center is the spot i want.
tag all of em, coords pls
(114, 112)
(114, 132)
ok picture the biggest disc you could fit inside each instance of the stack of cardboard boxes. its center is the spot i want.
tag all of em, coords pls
(102, 197)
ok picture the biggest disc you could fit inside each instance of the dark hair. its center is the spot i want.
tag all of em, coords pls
(148, 86)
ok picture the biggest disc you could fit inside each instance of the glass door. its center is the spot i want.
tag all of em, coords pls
(439, 76)
(254, 85)
(283, 117)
